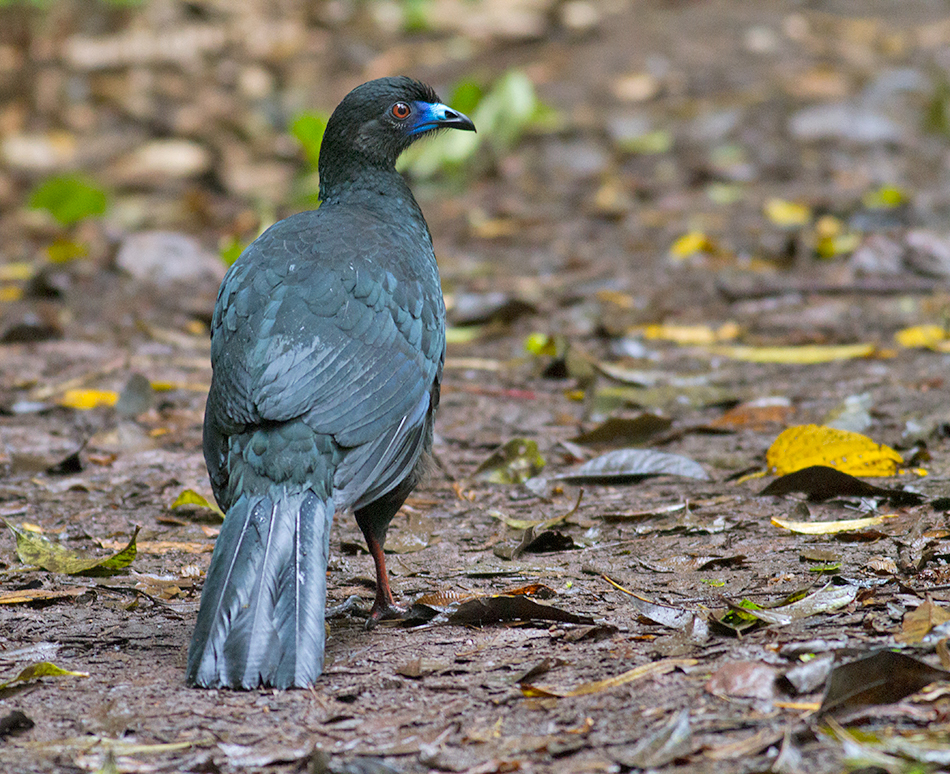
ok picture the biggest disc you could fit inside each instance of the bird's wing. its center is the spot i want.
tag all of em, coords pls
(334, 318)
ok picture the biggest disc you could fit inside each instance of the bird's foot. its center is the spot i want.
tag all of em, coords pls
(352, 605)
(384, 610)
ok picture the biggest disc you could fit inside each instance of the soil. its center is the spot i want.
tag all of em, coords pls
(567, 234)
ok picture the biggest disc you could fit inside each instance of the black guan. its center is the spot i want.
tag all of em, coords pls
(327, 346)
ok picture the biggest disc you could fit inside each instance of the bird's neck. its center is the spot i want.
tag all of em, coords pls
(372, 187)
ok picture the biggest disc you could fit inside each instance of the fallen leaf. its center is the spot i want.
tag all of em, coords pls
(513, 463)
(690, 244)
(161, 546)
(672, 740)
(42, 669)
(882, 678)
(628, 465)
(808, 354)
(691, 334)
(624, 431)
(786, 214)
(88, 399)
(38, 550)
(653, 669)
(747, 679)
(26, 596)
(918, 623)
(189, 497)
(831, 527)
(755, 415)
(803, 446)
(478, 610)
(821, 482)
(923, 337)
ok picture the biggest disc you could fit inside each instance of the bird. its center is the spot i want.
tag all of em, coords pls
(327, 348)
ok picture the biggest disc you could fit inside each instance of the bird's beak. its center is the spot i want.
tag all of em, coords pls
(435, 115)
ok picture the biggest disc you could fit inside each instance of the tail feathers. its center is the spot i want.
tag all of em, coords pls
(261, 616)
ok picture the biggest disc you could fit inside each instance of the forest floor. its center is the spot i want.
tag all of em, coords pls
(765, 184)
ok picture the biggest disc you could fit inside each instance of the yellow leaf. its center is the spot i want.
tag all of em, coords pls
(16, 271)
(692, 334)
(541, 344)
(832, 246)
(802, 446)
(65, 250)
(921, 336)
(803, 355)
(191, 497)
(787, 214)
(886, 197)
(29, 596)
(828, 227)
(10, 293)
(831, 527)
(42, 669)
(690, 244)
(653, 669)
(88, 399)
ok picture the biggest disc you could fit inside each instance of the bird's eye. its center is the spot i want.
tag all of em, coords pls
(400, 110)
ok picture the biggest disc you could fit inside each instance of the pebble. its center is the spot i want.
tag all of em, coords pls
(579, 16)
(38, 152)
(578, 158)
(171, 159)
(167, 257)
(843, 121)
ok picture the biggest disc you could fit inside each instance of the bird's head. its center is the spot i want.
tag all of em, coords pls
(380, 119)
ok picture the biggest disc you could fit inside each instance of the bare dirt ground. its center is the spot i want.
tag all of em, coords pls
(676, 118)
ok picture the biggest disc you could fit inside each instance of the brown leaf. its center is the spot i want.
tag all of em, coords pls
(748, 679)
(918, 623)
(882, 678)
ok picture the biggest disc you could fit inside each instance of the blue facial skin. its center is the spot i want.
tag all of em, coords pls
(435, 115)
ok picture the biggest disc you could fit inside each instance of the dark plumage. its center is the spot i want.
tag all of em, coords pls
(327, 345)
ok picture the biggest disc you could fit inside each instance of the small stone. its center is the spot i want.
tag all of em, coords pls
(256, 82)
(166, 257)
(761, 40)
(843, 121)
(636, 87)
(172, 159)
(579, 16)
(39, 152)
(577, 158)
(265, 180)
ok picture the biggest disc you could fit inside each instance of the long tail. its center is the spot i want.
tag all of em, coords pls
(261, 616)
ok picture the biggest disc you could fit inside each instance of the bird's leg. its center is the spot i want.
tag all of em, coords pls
(373, 521)
(384, 606)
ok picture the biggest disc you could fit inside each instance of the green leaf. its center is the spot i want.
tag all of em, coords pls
(466, 95)
(415, 15)
(515, 462)
(231, 250)
(308, 129)
(69, 198)
(503, 115)
(35, 549)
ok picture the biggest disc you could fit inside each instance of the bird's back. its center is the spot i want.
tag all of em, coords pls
(332, 317)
